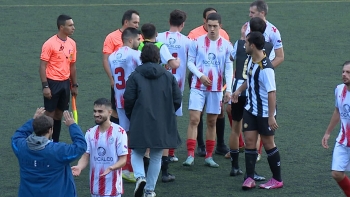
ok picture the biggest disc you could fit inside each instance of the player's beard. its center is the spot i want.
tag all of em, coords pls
(100, 122)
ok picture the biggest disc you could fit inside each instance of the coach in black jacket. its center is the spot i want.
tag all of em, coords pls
(151, 98)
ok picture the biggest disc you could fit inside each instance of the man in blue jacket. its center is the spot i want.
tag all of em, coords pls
(44, 165)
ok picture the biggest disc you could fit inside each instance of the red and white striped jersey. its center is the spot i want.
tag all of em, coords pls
(210, 58)
(178, 45)
(104, 149)
(342, 102)
(122, 63)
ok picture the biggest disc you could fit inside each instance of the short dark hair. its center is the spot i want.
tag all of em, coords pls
(257, 39)
(42, 125)
(214, 17)
(130, 32)
(61, 20)
(207, 10)
(261, 6)
(177, 17)
(103, 101)
(346, 63)
(128, 14)
(148, 31)
(150, 53)
(257, 24)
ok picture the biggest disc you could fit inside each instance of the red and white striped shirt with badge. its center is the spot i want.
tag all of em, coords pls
(342, 102)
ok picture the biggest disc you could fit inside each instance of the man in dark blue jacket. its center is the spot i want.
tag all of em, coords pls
(44, 165)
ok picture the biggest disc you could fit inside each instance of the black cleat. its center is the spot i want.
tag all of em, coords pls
(258, 177)
(168, 178)
(235, 172)
(201, 151)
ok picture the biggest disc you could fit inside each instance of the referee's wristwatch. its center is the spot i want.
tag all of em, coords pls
(75, 85)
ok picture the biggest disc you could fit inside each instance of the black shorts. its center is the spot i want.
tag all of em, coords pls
(238, 108)
(255, 123)
(114, 107)
(60, 92)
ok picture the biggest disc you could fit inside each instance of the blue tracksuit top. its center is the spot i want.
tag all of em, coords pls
(47, 172)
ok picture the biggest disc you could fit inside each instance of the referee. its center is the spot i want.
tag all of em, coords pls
(57, 72)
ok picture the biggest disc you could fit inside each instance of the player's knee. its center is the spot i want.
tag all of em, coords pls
(194, 121)
(338, 176)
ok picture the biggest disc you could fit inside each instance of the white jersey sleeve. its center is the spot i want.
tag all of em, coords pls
(272, 55)
(268, 79)
(122, 142)
(165, 55)
(234, 50)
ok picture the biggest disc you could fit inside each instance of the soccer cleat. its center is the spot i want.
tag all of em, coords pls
(173, 159)
(168, 178)
(223, 150)
(189, 161)
(128, 176)
(272, 184)
(201, 151)
(258, 177)
(235, 172)
(248, 183)
(149, 194)
(211, 163)
(258, 158)
(140, 185)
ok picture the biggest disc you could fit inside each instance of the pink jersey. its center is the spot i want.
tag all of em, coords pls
(178, 45)
(122, 63)
(104, 149)
(210, 58)
(342, 102)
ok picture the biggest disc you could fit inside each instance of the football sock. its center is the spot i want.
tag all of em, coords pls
(220, 132)
(260, 147)
(191, 144)
(234, 158)
(241, 141)
(165, 166)
(210, 144)
(273, 157)
(200, 139)
(345, 185)
(56, 130)
(171, 152)
(250, 160)
(114, 120)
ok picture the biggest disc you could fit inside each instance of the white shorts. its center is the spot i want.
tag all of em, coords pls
(179, 111)
(341, 158)
(93, 195)
(124, 121)
(212, 100)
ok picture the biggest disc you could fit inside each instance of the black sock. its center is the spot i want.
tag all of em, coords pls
(200, 139)
(56, 130)
(114, 120)
(220, 132)
(145, 164)
(273, 157)
(250, 160)
(234, 158)
(165, 166)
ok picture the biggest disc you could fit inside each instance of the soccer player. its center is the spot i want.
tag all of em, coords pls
(122, 63)
(178, 45)
(208, 60)
(107, 147)
(111, 44)
(152, 96)
(58, 72)
(259, 8)
(260, 111)
(240, 56)
(44, 166)
(341, 155)
(220, 123)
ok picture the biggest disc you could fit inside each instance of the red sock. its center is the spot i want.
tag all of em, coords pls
(345, 185)
(260, 147)
(191, 144)
(230, 119)
(171, 152)
(241, 141)
(210, 144)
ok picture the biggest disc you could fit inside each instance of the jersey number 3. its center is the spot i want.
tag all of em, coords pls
(120, 82)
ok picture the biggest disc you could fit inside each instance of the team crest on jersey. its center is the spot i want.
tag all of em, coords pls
(211, 60)
(110, 140)
(101, 151)
(118, 56)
